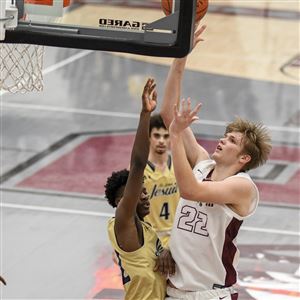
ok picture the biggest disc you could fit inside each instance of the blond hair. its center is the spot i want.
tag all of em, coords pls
(256, 141)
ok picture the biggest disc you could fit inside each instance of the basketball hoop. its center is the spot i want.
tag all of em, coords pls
(21, 67)
(21, 64)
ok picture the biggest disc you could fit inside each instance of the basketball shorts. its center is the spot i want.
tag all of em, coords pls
(215, 294)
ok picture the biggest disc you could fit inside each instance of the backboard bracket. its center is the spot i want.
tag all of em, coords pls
(8, 17)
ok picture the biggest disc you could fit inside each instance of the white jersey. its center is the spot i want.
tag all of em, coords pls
(203, 240)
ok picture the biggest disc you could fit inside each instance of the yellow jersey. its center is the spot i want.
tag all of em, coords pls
(163, 196)
(139, 280)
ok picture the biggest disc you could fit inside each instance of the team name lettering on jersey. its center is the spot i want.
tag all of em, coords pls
(159, 191)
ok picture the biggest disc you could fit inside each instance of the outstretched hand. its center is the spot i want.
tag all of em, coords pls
(184, 117)
(197, 34)
(149, 96)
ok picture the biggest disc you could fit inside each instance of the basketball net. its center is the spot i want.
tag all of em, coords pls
(21, 67)
(21, 64)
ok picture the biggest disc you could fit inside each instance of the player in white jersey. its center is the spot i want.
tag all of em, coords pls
(216, 196)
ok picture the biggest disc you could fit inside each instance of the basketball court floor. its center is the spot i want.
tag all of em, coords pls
(58, 146)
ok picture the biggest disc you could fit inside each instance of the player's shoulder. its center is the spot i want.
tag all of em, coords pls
(242, 183)
(243, 178)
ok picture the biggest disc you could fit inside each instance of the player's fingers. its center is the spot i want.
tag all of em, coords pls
(200, 30)
(183, 106)
(169, 267)
(196, 110)
(146, 86)
(156, 265)
(154, 96)
(161, 265)
(189, 104)
(148, 82)
(169, 264)
(172, 266)
(152, 87)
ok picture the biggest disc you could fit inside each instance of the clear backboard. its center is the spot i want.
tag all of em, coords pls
(133, 26)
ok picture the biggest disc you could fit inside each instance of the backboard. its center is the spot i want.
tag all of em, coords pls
(132, 26)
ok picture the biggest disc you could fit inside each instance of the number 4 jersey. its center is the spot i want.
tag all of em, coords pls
(163, 196)
(203, 240)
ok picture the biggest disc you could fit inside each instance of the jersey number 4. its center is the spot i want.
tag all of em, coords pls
(164, 212)
(193, 220)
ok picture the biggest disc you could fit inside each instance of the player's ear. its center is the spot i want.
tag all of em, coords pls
(245, 158)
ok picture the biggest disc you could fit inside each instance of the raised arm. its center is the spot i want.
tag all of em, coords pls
(171, 97)
(126, 209)
(234, 191)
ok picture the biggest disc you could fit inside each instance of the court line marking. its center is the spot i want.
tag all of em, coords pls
(61, 64)
(53, 193)
(70, 110)
(108, 215)
(67, 61)
(56, 210)
(121, 114)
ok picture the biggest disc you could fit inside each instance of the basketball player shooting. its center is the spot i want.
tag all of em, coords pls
(216, 193)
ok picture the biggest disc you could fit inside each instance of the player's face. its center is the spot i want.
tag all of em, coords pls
(143, 207)
(159, 140)
(229, 148)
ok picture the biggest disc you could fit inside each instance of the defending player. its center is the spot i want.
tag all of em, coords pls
(135, 242)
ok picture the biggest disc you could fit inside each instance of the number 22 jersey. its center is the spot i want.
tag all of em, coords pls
(203, 240)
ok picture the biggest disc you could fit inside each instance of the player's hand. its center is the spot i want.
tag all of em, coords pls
(149, 96)
(2, 280)
(197, 34)
(165, 263)
(184, 116)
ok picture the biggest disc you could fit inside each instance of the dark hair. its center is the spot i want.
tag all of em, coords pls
(113, 183)
(156, 121)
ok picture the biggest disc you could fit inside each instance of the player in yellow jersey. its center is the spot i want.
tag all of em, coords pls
(135, 242)
(159, 180)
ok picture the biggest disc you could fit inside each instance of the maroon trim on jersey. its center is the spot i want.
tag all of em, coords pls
(208, 177)
(234, 296)
(229, 251)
